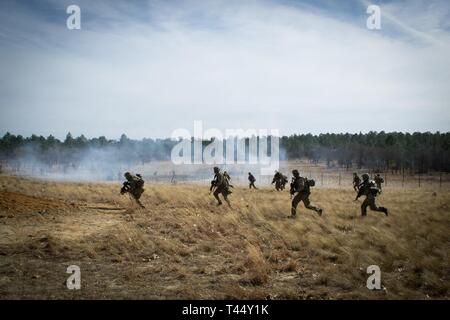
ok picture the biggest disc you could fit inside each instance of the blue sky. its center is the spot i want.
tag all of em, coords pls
(147, 68)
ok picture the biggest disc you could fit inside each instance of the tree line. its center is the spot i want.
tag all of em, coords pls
(417, 152)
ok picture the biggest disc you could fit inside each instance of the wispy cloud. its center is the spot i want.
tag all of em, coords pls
(149, 67)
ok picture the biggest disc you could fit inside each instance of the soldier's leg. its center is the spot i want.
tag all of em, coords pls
(139, 203)
(364, 206)
(225, 197)
(308, 205)
(374, 207)
(216, 195)
(295, 201)
(137, 195)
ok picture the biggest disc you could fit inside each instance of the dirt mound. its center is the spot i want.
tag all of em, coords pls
(13, 202)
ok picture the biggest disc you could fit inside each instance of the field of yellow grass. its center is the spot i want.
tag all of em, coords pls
(182, 246)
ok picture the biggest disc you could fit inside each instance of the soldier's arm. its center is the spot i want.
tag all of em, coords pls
(360, 192)
(293, 186)
(213, 183)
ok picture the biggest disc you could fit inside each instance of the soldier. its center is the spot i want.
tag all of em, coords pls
(280, 180)
(356, 181)
(283, 182)
(221, 187)
(173, 178)
(134, 186)
(276, 177)
(302, 187)
(252, 180)
(227, 179)
(378, 181)
(368, 188)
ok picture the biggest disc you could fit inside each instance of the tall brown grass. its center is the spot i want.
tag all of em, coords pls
(184, 246)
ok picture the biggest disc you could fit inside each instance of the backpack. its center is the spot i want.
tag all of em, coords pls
(373, 189)
(311, 182)
(139, 183)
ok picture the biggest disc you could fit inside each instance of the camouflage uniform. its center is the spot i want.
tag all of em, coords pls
(356, 181)
(221, 185)
(252, 180)
(280, 181)
(227, 179)
(368, 188)
(378, 181)
(134, 186)
(302, 187)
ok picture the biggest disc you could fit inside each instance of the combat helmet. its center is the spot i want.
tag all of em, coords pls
(365, 176)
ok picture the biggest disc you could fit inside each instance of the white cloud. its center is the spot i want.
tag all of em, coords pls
(259, 65)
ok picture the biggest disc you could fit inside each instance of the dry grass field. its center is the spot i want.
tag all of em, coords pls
(182, 246)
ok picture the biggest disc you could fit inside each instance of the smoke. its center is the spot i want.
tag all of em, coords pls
(99, 159)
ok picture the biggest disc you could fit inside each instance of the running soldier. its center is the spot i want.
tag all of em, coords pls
(227, 179)
(356, 181)
(280, 181)
(302, 186)
(369, 189)
(378, 181)
(221, 187)
(251, 179)
(134, 186)
(173, 178)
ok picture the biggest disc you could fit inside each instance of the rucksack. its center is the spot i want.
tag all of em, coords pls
(373, 189)
(139, 183)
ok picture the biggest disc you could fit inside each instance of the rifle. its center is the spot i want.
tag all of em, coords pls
(213, 185)
(126, 187)
(360, 191)
(292, 189)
